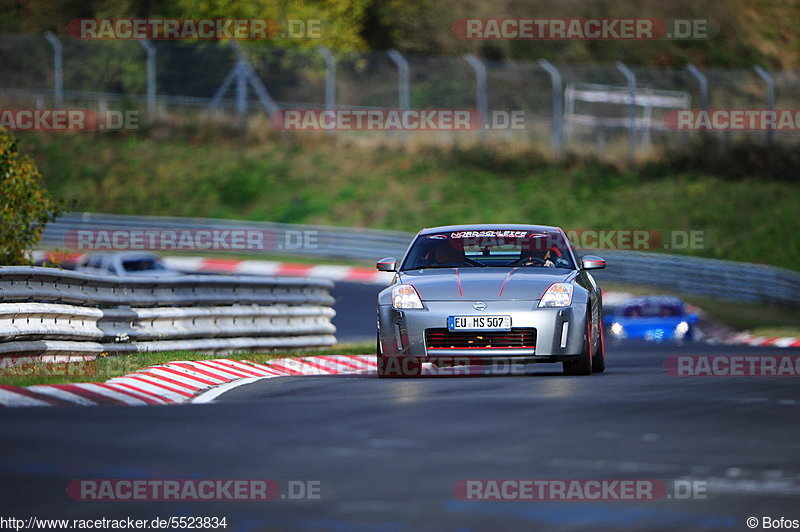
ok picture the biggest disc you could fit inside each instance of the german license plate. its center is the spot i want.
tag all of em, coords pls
(479, 323)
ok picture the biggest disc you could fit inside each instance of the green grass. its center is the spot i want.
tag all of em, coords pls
(778, 332)
(108, 367)
(744, 210)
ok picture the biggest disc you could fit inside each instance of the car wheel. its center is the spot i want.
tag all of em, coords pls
(599, 359)
(583, 364)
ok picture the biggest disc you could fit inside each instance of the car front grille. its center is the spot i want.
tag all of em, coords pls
(518, 338)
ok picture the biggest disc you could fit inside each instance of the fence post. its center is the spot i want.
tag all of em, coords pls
(558, 107)
(242, 73)
(770, 81)
(241, 96)
(403, 95)
(58, 60)
(631, 77)
(151, 78)
(702, 80)
(403, 91)
(330, 77)
(241, 87)
(481, 99)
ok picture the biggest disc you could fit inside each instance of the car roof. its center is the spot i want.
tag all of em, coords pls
(489, 227)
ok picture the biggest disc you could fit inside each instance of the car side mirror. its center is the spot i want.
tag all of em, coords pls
(592, 262)
(693, 318)
(388, 264)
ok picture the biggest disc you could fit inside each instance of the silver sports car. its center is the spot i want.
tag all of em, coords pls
(490, 294)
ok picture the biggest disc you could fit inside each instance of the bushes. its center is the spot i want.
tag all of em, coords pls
(25, 206)
(739, 160)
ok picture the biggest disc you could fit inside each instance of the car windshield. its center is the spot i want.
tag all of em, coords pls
(489, 248)
(142, 265)
(652, 310)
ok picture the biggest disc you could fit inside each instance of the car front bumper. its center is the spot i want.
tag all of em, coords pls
(560, 332)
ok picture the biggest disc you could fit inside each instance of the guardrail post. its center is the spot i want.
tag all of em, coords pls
(151, 78)
(58, 68)
(770, 81)
(330, 77)
(481, 98)
(632, 132)
(558, 107)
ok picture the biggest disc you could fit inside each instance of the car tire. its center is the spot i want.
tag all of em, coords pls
(599, 358)
(583, 364)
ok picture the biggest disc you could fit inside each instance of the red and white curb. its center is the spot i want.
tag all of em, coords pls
(764, 341)
(180, 382)
(351, 274)
(203, 381)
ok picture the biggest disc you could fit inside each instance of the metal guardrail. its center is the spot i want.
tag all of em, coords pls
(329, 242)
(53, 311)
(733, 281)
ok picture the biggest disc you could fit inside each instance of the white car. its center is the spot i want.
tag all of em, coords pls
(125, 264)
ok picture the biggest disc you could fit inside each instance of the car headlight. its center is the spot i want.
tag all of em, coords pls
(405, 296)
(616, 329)
(681, 329)
(558, 295)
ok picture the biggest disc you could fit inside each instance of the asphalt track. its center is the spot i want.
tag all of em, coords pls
(355, 318)
(388, 452)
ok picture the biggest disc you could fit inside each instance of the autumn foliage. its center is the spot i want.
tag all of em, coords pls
(25, 206)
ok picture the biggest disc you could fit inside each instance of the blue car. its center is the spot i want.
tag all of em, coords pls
(654, 318)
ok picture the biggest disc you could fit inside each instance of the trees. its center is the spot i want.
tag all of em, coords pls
(25, 206)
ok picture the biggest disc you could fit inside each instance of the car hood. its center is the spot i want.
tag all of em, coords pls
(486, 284)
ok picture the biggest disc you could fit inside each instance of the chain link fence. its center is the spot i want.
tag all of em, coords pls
(608, 109)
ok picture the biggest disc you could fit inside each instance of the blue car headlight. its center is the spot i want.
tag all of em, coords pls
(681, 329)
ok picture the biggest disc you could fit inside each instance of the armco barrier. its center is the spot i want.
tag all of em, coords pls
(692, 275)
(327, 241)
(734, 281)
(46, 311)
